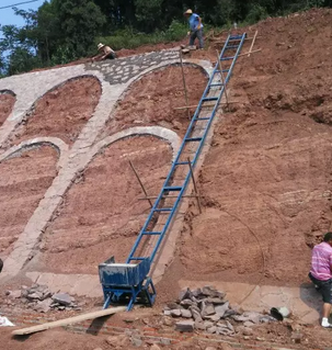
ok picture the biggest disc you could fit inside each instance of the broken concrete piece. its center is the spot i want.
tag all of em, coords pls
(208, 291)
(186, 303)
(216, 301)
(196, 292)
(229, 326)
(62, 299)
(248, 324)
(213, 318)
(167, 312)
(43, 306)
(185, 326)
(35, 296)
(185, 294)
(186, 313)
(221, 309)
(176, 313)
(199, 325)
(208, 324)
(212, 330)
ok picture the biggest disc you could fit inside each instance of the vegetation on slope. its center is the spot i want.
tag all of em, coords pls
(64, 30)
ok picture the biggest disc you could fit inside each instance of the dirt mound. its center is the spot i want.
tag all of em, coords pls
(152, 100)
(7, 102)
(102, 214)
(23, 183)
(63, 111)
(267, 180)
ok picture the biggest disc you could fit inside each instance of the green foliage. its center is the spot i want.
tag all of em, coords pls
(64, 30)
(256, 13)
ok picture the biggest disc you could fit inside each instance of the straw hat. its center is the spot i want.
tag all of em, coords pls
(189, 12)
(100, 46)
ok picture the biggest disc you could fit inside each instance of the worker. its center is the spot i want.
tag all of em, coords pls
(105, 52)
(321, 275)
(196, 28)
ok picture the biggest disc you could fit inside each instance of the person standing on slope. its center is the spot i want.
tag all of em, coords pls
(321, 275)
(196, 28)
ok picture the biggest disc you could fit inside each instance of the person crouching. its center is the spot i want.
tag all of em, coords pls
(105, 52)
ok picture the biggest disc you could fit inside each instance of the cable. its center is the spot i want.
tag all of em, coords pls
(17, 4)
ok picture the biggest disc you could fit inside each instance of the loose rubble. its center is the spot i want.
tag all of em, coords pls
(41, 299)
(207, 309)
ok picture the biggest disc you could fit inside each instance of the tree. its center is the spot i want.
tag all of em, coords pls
(80, 21)
(148, 14)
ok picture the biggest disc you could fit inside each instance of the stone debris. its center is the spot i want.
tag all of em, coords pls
(185, 326)
(41, 299)
(207, 309)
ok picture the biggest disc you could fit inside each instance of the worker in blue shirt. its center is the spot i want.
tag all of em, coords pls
(196, 28)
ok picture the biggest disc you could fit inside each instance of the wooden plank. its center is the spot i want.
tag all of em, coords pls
(253, 42)
(68, 321)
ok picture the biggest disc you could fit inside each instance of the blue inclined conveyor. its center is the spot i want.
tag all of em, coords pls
(129, 282)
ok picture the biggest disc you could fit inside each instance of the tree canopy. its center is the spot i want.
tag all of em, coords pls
(64, 30)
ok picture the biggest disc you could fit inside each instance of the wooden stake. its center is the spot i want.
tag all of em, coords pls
(254, 51)
(195, 187)
(253, 42)
(69, 321)
(222, 78)
(184, 86)
(139, 180)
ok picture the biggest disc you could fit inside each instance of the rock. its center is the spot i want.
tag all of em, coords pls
(35, 296)
(167, 321)
(196, 314)
(297, 337)
(267, 319)
(62, 299)
(212, 330)
(208, 311)
(185, 294)
(186, 313)
(185, 326)
(155, 347)
(196, 292)
(117, 341)
(254, 317)
(15, 294)
(43, 306)
(200, 325)
(221, 309)
(213, 318)
(208, 324)
(247, 331)
(61, 308)
(248, 324)
(167, 312)
(229, 326)
(176, 313)
(136, 341)
(216, 301)
(224, 331)
(208, 291)
(186, 303)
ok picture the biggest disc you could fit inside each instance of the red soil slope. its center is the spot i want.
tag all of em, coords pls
(23, 183)
(152, 99)
(267, 180)
(6, 104)
(63, 112)
(102, 214)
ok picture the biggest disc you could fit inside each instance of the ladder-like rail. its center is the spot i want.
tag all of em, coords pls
(166, 205)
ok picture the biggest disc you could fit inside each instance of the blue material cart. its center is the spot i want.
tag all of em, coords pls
(126, 282)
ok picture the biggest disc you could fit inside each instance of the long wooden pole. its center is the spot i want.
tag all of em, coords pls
(184, 85)
(69, 321)
(222, 78)
(253, 42)
(139, 180)
(195, 187)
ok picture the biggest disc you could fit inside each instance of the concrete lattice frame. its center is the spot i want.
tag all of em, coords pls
(28, 88)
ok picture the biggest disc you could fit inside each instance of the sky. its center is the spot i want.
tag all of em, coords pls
(7, 16)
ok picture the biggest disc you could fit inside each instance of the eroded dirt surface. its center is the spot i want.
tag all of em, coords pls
(62, 112)
(102, 214)
(152, 100)
(266, 181)
(23, 183)
(7, 102)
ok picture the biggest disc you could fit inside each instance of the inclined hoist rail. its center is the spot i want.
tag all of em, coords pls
(130, 282)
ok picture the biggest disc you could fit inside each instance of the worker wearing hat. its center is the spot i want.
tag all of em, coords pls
(196, 28)
(105, 52)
